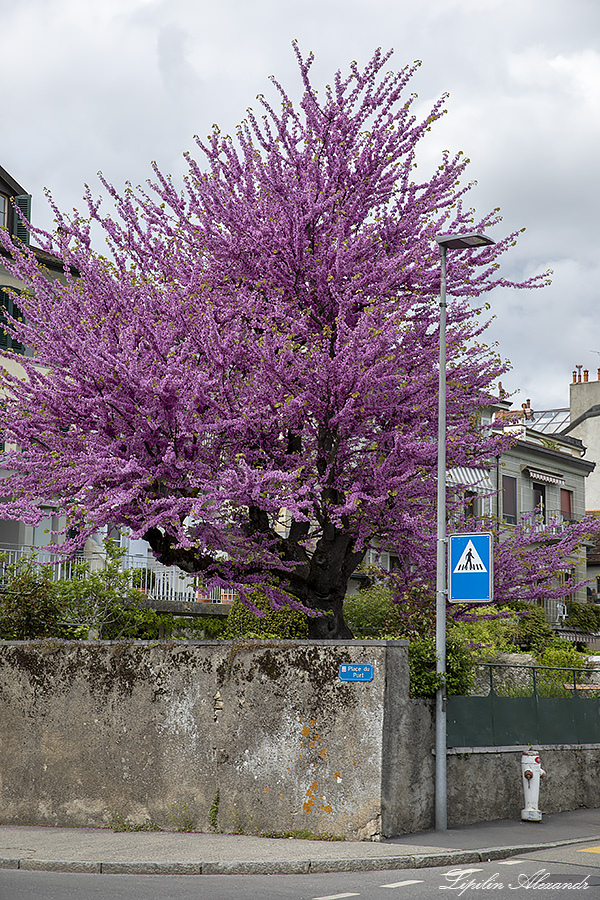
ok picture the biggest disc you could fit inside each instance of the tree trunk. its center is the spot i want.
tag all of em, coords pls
(320, 582)
(330, 626)
(330, 567)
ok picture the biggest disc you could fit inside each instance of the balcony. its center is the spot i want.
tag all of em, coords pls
(547, 521)
(161, 584)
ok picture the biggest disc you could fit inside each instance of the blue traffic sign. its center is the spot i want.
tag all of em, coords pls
(356, 671)
(470, 568)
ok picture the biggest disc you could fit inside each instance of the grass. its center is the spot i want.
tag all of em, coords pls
(303, 834)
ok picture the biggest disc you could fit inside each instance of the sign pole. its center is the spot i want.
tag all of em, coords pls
(454, 242)
(441, 804)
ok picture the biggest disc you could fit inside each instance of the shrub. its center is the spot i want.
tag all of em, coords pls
(487, 630)
(105, 600)
(385, 611)
(563, 657)
(200, 627)
(138, 624)
(30, 605)
(585, 616)
(460, 667)
(371, 612)
(533, 632)
(283, 623)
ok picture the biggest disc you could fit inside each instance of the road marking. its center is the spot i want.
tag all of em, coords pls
(336, 896)
(401, 884)
(464, 871)
(590, 850)
(510, 862)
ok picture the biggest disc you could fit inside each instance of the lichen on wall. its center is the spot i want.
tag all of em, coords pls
(133, 730)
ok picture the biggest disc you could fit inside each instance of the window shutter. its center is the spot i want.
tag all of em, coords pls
(8, 305)
(17, 346)
(4, 301)
(23, 203)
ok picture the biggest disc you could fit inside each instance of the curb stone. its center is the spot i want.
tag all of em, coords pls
(51, 865)
(284, 867)
(151, 868)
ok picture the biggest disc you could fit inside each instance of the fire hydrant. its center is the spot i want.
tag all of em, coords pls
(531, 772)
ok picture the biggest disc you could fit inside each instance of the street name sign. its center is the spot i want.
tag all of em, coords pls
(356, 671)
(470, 568)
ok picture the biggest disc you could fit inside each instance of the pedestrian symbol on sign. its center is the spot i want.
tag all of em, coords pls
(470, 560)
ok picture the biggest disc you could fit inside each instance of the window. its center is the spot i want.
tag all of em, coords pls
(539, 499)
(566, 504)
(3, 210)
(509, 499)
(7, 304)
(565, 579)
(470, 504)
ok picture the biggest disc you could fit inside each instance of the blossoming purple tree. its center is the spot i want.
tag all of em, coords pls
(247, 379)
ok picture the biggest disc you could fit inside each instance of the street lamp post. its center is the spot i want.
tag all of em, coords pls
(445, 242)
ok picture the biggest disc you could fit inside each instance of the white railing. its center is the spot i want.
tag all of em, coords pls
(160, 583)
(550, 521)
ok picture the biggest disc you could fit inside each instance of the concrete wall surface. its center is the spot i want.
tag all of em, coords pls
(485, 783)
(250, 736)
(246, 736)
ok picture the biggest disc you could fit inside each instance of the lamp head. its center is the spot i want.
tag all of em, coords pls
(463, 241)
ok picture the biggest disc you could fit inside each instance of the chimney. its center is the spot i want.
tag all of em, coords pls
(528, 404)
(598, 374)
(585, 374)
(575, 376)
(579, 368)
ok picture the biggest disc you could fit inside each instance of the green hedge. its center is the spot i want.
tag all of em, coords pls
(283, 623)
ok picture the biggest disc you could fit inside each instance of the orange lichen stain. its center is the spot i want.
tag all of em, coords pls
(288, 768)
(314, 786)
(305, 731)
(323, 753)
(354, 763)
(313, 722)
(337, 775)
(308, 804)
(328, 808)
(266, 789)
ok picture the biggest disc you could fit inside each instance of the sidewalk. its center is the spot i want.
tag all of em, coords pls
(98, 850)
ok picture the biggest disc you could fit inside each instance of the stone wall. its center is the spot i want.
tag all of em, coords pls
(485, 783)
(248, 737)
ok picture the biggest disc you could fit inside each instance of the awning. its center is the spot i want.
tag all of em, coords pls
(547, 477)
(578, 637)
(475, 479)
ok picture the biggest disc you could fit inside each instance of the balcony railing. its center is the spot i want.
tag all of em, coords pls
(160, 583)
(548, 521)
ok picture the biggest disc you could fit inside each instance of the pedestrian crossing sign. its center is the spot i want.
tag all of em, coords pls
(470, 568)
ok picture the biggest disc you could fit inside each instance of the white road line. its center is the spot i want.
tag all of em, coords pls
(401, 883)
(463, 871)
(511, 862)
(336, 896)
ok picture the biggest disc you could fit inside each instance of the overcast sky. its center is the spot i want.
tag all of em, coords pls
(114, 84)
